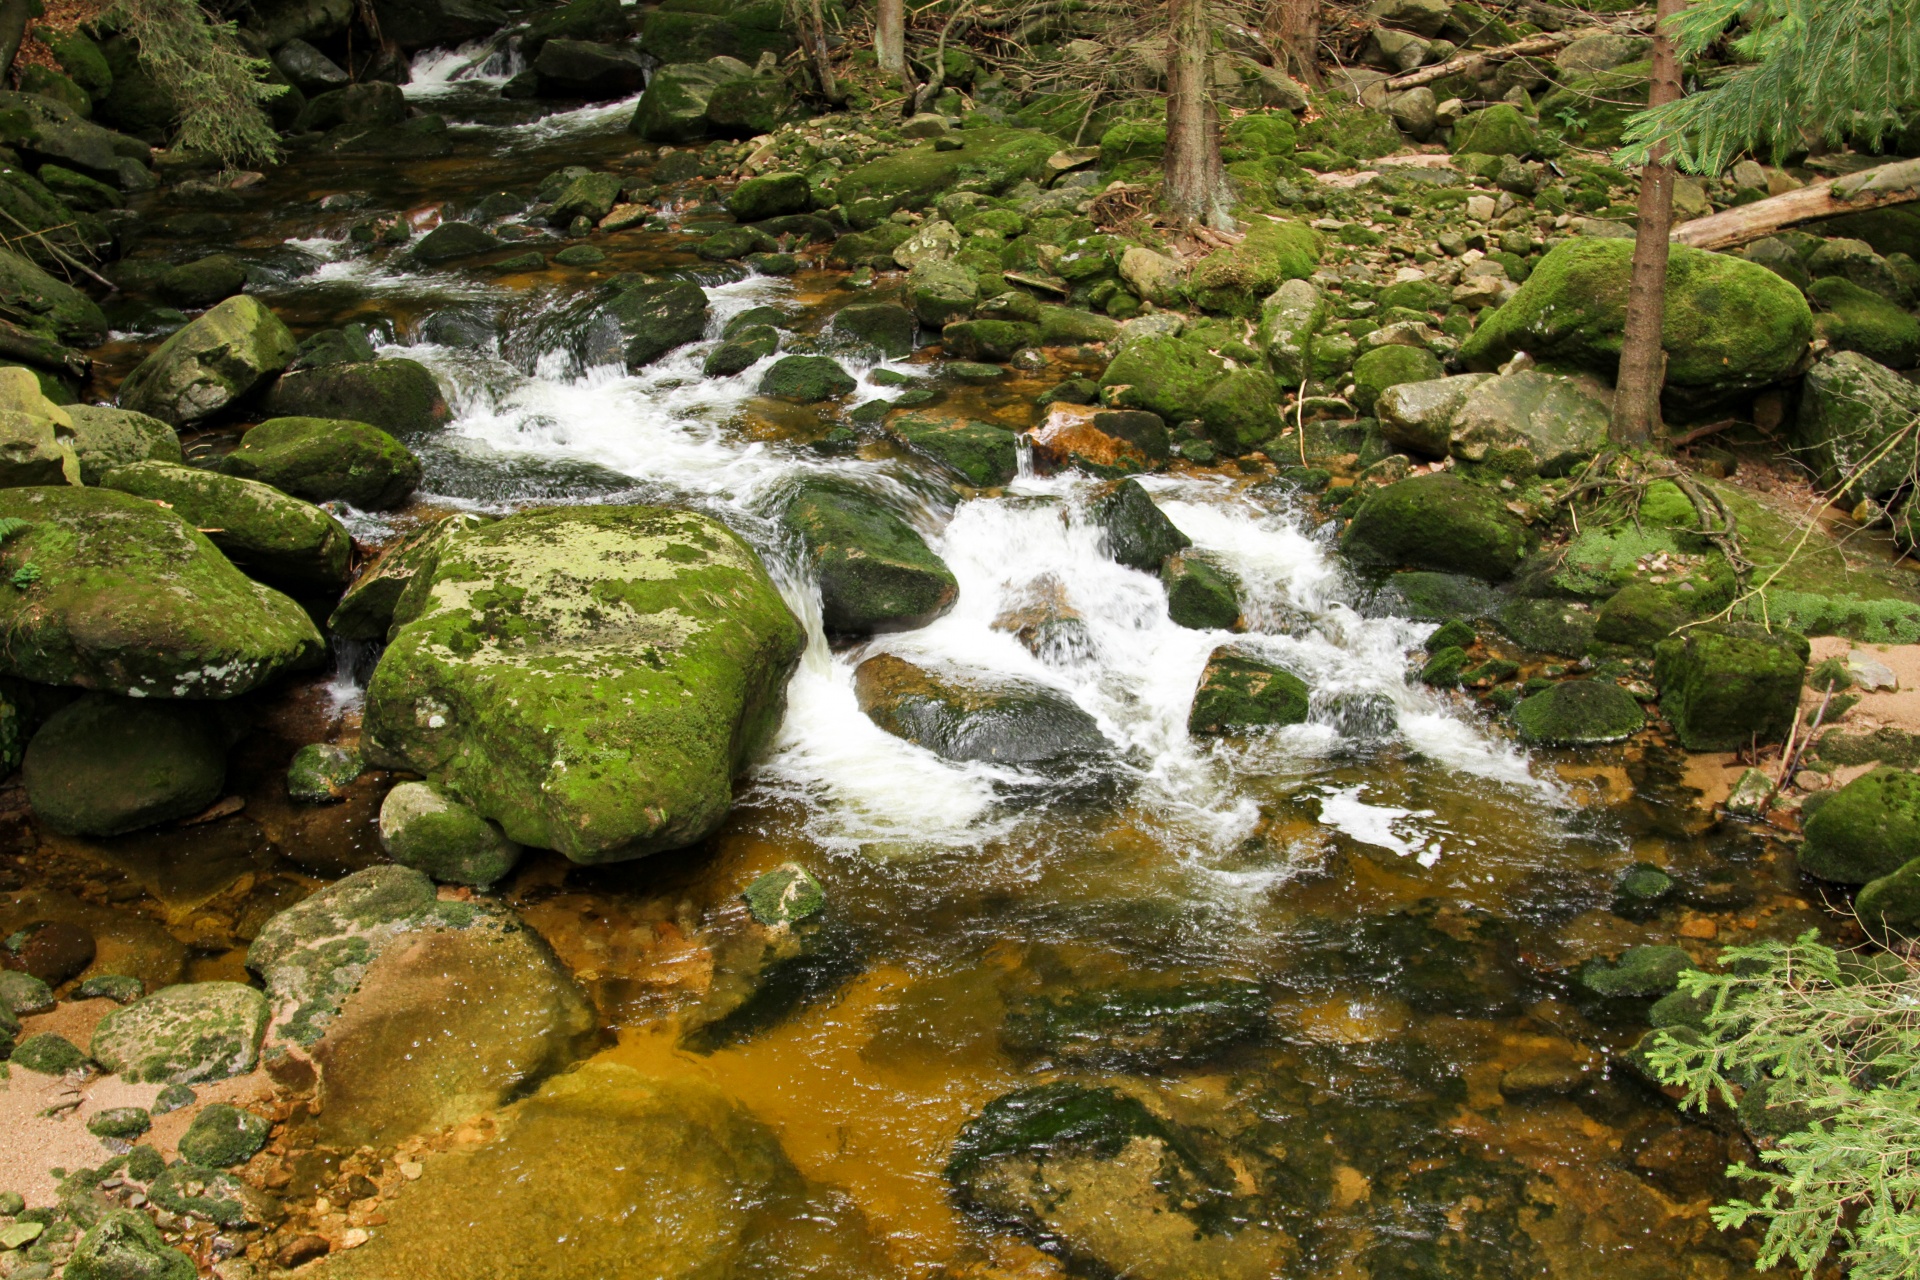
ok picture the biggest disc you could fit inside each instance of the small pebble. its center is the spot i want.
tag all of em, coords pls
(354, 1238)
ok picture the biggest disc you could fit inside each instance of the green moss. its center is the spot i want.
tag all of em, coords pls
(1640, 972)
(1868, 829)
(1451, 634)
(1856, 319)
(1348, 130)
(784, 895)
(805, 379)
(273, 536)
(1241, 412)
(223, 1135)
(989, 161)
(1726, 686)
(1499, 130)
(1163, 375)
(1595, 109)
(1444, 667)
(393, 395)
(991, 341)
(127, 1246)
(981, 453)
(1237, 280)
(1133, 140)
(1389, 366)
(876, 573)
(1438, 522)
(125, 1123)
(1580, 712)
(1238, 693)
(1266, 133)
(49, 1054)
(214, 361)
(1199, 595)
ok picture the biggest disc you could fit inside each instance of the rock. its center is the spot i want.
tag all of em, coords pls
(282, 540)
(104, 438)
(1415, 112)
(395, 395)
(585, 69)
(1855, 319)
(49, 1054)
(1161, 374)
(311, 71)
(806, 379)
(1498, 130)
(1548, 626)
(422, 829)
(35, 435)
(742, 351)
(574, 594)
(222, 1136)
(994, 341)
(935, 241)
(46, 306)
(1385, 367)
(22, 994)
(988, 160)
(1143, 1022)
(1237, 280)
(886, 326)
(321, 772)
(127, 1246)
(325, 460)
(369, 104)
(117, 987)
(1438, 522)
(770, 197)
(103, 766)
(1890, 905)
(452, 241)
(53, 951)
(1529, 422)
(1199, 595)
(357, 971)
(1288, 321)
(366, 610)
(1419, 416)
(1138, 533)
(959, 716)
(1241, 412)
(124, 1123)
(1867, 830)
(1040, 617)
(1600, 51)
(1106, 443)
(674, 107)
(1849, 408)
(1422, 17)
(983, 454)
(1153, 276)
(1731, 325)
(1240, 691)
(643, 321)
(749, 107)
(204, 282)
(1641, 972)
(210, 364)
(1726, 686)
(1580, 713)
(44, 131)
(784, 896)
(186, 1034)
(875, 572)
(1855, 262)
(941, 291)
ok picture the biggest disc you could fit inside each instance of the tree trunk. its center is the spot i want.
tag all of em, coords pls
(890, 37)
(13, 29)
(1195, 184)
(1643, 362)
(1294, 28)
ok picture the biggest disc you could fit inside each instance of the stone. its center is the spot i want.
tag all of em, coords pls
(395, 395)
(1577, 713)
(105, 438)
(366, 610)
(22, 994)
(1422, 17)
(204, 282)
(1890, 905)
(588, 70)
(326, 460)
(452, 241)
(1241, 412)
(1751, 795)
(223, 1135)
(1602, 51)
(1138, 534)
(1855, 319)
(1419, 416)
(1116, 441)
(45, 306)
(1389, 366)
(50, 950)
(279, 539)
(422, 829)
(35, 447)
(1153, 276)
(1530, 422)
(321, 772)
(210, 364)
(1548, 626)
(642, 321)
(1641, 972)
(674, 107)
(887, 327)
(371, 103)
(1415, 112)
(994, 341)
(1439, 522)
(1855, 262)
(770, 197)
(988, 160)
(124, 1245)
(806, 379)
(511, 674)
(749, 107)
(311, 71)
(1288, 321)
(104, 766)
(1725, 686)
(191, 1033)
(1070, 326)
(1850, 407)
(984, 454)
(124, 1123)
(1199, 595)
(49, 1054)
(1866, 830)
(1499, 130)
(876, 573)
(962, 716)
(1240, 691)
(935, 241)
(741, 352)
(1237, 280)
(1161, 374)
(784, 896)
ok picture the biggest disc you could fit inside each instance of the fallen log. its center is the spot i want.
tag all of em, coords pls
(1470, 62)
(1877, 188)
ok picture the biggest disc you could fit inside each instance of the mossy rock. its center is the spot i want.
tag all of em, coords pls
(1867, 830)
(1241, 412)
(674, 106)
(45, 305)
(941, 292)
(1641, 972)
(394, 395)
(452, 241)
(274, 537)
(103, 766)
(124, 1245)
(887, 327)
(1138, 534)
(989, 160)
(1163, 375)
(1499, 130)
(1850, 407)
(1437, 522)
(366, 610)
(185, 1034)
(876, 573)
(1855, 319)
(1389, 366)
(959, 716)
(327, 459)
(1237, 280)
(105, 438)
(422, 829)
(321, 772)
(1239, 693)
(22, 994)
(223, 1135)
(124, 1123)
(770, 197)
(641, 320)
(1580, 713)
(1548, 626)
(1727, 686)
(1349, 130)
(1143, 139)
(1890, 905)
(983, 454)
(1199, 595)
(1601, 103)
(992, 341)
(806, 379)
(49, 1054)
(214, 362)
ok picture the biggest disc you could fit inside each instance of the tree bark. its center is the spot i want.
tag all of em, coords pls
(1643, 361)
(1897, 183)
(1294, 28)
(1195, 184)
(13, 29)
(890, 37)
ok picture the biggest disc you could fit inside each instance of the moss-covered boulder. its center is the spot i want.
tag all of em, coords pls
(1868, 829)
(223, 1135)
(1850, 407)
(214, 361)
(131, 598)
(22, 994)
(1499, 130)
(989, 161)
(741, 351)
(277, 538)
(1241, 412)
(887, 327)
(964, 716)
(394, 395)
(452, 241)
(1578, 713)
(49, 1053)
(643, 320)
(1199, 594)
(590, 678)
(105, 438)
(124, 1245)
(1855, 319)
(366, 610)
(992, 341)
(45, 305)
(1419, 416)
(1289, 318)
(1138, 534)
(1239, 279)
(327, 459)
(806, 379)
(1163, 375)
(185, 1034)
(321, 771)
(204, 281)
(876, 573)
(1727, 686)
(590, 196)
(1439, 522)
(770, 197)
(674, 107)
(1240, 691)
(983, 454)
(941, 292)
(1731, 325)
(422, 829)
(1890, 904)
(1601, 102)
(1389, 366)
(105, 765)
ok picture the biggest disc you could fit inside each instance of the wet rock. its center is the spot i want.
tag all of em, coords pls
(644, 320)
(1437, 597)
(784, 896)
(1041, 618)
(422, 829)
(1240, 691)
(222, 1136)
(22, 993)
(44, 131)
(1438, 522)
(117, 987)
(746, 348)
(321, 772)
(210, 364)
(1548, 626)
(1136, 1025)
(991, 341)
(452, 241)
(1867, 830)
(104, 438)
(1727, 685)
(589, 70)
(590, 196)
(311, 71)
(1199, 594)
(370, 104)
(274, 537)
(1890, 904)
(301, 1250)
(104, 765)
(1580, 713)
(770, 197)
(49, 1054)
(1731, 325)
(203, 283)
(964, 717)
(127, 1246)
(688, 664)
(806, 379)
(185, 1034)
(53, 951)
(1238, 279)
(395, 395)
(674, 107)
(1139, 535)
(1855, 319)
(886, 326)
(1117, 441)
(1642, 972)
(942, 292)
(983, 454)
(1850, 407)
(1162, 374)
(875, 571)
(366, 610)
(327, 459)
(1390, 366)
(1241, 412)
(124, 1123)
(1529, 422)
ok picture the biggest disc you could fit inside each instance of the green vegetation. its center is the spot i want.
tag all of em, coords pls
(203, 69)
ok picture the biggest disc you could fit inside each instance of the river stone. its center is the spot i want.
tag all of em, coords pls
(770, 197)
(1891, 904)
(211, 363)
(1161, 374)
(1548, 626)
(740, 352)
(591, 678)
(644, 320)
(1138, 534)
(223, 1135)
(321, 772)
(885, 326)
(372, 103)
(422, 829)
(1868, 829)
(590, 70)
(54, 951)
(1419, 416)
(1849, 408)
(942, 291)
(1726, 686)
(1241, 412)
(203, 282)
(277, 538)
(35, 450)
(1237, 280)
(47, 306)
(1240, 691)
(125, 1123)
(674, 107)
(1390, 366)
(805, 379)
(452, 241)
(366, 610)
(186, 1034)
(960, 716)
(590, 196)
(118, 987)
(22, 993)
(1438, 522)
(749, 106)
(49, 1054)
(1855, 319)
(984, 454)
(937, 240)
(394, 395)
(1580, 713)
(1641, 972)
(1731, 325)
(876, 573)
(311, 71)
(1288, 320)
(784, 896)
(1199, 594)
(327, 459)
(127, 1246)
(1530, 422)
(103, 766)
(133, 599)
(104, 438)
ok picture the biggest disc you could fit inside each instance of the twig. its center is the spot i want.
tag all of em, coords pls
(57, 252)
(1812, 729)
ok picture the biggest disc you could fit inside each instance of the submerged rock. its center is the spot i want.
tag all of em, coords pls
(211, 363)
(1868, 829)
(591, 678)
(1239, 691)
(983, 454)
(104, 766)
(876, 573)
(186, 1034)
(1133, 1025)
(327, 459)
(321, 772)
(278, 538)
(1438, 522)
(1579, 713)
(965, 717)
(1728, 685)
(1040, 617)
(422, 829)
(393, 395)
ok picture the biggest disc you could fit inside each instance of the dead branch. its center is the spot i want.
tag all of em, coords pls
(1479, 59)
(1877, 188)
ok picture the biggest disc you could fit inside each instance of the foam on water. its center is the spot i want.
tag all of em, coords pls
(437, 72)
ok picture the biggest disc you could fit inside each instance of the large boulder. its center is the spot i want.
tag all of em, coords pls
(1850, 408)
(644, 320)
(134, 599)
(1728, 686)
(209, 364)
(1162, 374)
(45, 131)
(711, 29)
(1731, 325)
(964, 716)
(1419, 416)
(749, 106)
(104, 766)
(1439, 522)
(1530, 422)
(590, 70)
(105, 438)
(1852, 318)
(395, 395)
(887, 327)
(674, 107)
(1499, 130)
(590, 678)
(185, 1034)
(327, 459)
(36, 435)
(941, 291)
(419, 24)
(1868, 829)
(1239, 279)
(1579, 713)
(1241, 412)
(281, 539)
(49, 307)
(876, 572)
(371, 104)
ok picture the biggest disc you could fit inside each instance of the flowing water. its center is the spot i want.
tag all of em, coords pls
(1410, 891)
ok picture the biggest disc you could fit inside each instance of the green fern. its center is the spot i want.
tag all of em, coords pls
(25, 576)
(10, 525)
